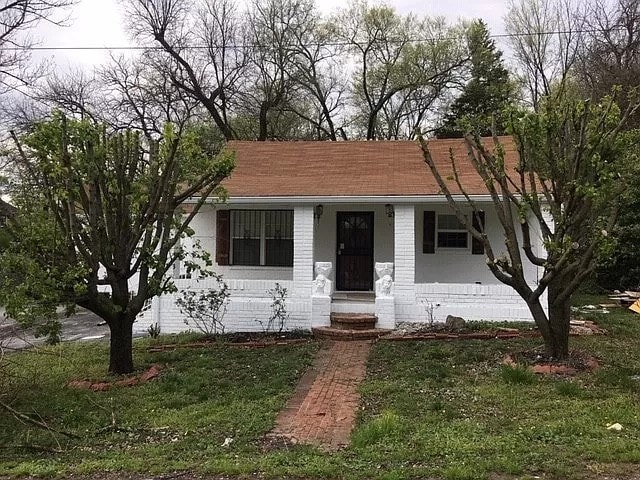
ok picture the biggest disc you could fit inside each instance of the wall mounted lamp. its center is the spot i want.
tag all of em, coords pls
(388, 209)
(317, 211)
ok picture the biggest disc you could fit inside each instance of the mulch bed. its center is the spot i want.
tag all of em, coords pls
(444, 332)
(540, 363)
(241, 340)
(102, 386)
(499, 333)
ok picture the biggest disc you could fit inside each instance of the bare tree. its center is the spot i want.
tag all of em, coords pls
(545, 36)
(212, 78)
(390, 61)
(318, 75)
(140, 95)
(610, 54)
(75, 92)
(17, 17)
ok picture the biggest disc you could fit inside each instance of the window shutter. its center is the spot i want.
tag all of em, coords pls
(222, 236)
(429, 232)
(477, 248)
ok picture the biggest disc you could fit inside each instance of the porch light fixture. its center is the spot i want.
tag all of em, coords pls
(388, 208)
(317, 211)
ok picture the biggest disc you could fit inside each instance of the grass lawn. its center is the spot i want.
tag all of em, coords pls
(429, 410)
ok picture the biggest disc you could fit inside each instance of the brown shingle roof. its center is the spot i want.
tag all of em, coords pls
(353, 168)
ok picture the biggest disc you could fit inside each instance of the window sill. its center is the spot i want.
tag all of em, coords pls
(455, 251)
(257, 267)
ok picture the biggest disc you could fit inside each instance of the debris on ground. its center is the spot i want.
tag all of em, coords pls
(615, 426)
(603, 308)
(626, 298)
(585, 327)
(539, 362)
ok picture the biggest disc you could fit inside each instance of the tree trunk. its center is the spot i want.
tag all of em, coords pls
(121, 351)
(554, 326)
(559, 319)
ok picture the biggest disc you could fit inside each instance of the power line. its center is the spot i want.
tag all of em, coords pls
(255, 45)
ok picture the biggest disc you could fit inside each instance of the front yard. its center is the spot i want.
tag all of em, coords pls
(429, 409)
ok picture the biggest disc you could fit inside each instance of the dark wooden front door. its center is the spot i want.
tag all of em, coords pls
(354, 269)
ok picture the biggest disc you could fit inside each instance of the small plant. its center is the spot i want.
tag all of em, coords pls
(569, 389)
(154, 330)
(430, 309)
(205, 309)
(279, 315)
(518, 375)
(381, 429)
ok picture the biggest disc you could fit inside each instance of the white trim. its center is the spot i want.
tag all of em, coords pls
(314, 199)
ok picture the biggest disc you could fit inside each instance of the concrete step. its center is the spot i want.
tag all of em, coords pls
(345, 335)
(353, 321)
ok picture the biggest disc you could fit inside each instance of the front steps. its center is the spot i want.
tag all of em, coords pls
(350, 327)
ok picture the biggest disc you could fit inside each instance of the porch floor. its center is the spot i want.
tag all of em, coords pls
(365, 297)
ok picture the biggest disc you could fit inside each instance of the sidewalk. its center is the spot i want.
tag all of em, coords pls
(323, 410)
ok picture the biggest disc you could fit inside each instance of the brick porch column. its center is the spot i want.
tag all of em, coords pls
(302, 250)
(405, 262)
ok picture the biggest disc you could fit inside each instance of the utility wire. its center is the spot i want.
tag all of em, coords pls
(327, 44)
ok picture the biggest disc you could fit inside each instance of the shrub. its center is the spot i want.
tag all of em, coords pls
(279, 315)
(205, 309)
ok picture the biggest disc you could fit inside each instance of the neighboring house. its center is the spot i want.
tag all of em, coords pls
(6, 210)
(346, 207)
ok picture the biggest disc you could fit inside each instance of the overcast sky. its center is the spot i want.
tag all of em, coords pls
(100, 23)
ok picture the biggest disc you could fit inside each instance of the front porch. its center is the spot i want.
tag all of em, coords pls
(379, 258)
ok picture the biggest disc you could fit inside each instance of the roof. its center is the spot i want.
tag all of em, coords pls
(351, 168)
(6, 209)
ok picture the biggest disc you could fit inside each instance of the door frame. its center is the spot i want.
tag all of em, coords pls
(371, 222)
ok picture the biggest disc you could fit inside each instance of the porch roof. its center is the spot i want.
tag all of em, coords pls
(351, 168)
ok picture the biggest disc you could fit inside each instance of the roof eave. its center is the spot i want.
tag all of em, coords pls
(328, 199)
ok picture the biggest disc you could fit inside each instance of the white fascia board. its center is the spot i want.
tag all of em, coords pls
(347, 199)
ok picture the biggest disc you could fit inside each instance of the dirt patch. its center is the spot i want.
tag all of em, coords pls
(275, 441)
(481, 331)
(149, 374)
(445, 333)
(540, 363)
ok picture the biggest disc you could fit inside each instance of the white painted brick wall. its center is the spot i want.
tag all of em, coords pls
(472, 302)
(386, 313)
(302, 251)
(320, 311)
(249, 302)
(404, 261)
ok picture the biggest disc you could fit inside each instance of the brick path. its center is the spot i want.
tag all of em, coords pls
(323, 409)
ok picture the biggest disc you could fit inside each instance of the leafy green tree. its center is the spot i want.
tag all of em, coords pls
(610, 58)
(619, 266)
(575, 159)
(488, 91)
(105, 208)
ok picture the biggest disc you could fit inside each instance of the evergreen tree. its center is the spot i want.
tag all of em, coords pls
(488, 91)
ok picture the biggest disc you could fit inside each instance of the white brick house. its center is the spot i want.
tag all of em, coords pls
(350, 206)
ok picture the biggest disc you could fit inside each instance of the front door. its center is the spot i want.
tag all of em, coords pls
(354, 269)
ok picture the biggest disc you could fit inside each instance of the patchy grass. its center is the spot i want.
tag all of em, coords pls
(447, 410)
(464, 415)
(179, 420)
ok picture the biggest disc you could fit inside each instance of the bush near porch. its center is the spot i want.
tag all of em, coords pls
(429, 409)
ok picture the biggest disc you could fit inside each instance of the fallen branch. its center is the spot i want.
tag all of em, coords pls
(40, 448)
(26, 418)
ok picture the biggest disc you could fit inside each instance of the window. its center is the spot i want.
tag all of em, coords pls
(451, 232)
(262, 237)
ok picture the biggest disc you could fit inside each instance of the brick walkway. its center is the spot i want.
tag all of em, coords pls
(323, 409)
